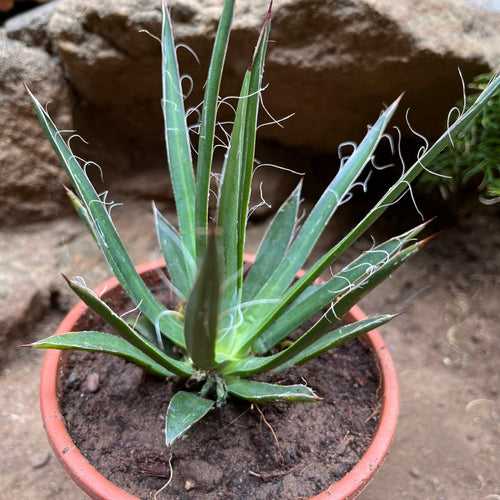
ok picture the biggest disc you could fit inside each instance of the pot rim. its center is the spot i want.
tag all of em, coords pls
(98, 487)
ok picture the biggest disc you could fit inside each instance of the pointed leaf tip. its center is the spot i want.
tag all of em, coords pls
(66, 279)
(29, 90)
(263, 392)
(95, 341)
(390, 110)
(423, 243)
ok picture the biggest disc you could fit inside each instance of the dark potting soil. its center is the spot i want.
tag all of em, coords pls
(115, 415)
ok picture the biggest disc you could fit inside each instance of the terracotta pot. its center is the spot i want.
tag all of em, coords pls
(98, 487)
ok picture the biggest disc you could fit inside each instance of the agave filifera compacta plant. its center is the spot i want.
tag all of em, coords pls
(232, 325)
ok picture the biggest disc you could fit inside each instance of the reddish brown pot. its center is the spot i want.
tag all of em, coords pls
(98, 487)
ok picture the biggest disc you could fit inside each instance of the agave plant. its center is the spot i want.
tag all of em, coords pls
(233, 321)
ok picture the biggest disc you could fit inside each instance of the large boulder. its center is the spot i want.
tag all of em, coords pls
(32, 258)
(27, 274)
(334, 63)
(30, 186)
(30, 27)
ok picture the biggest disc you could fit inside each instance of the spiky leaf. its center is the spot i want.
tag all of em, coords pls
(254, 91)
(303, 308)
(93, 210)
(144, 327)
(229, 199)
(180, 162)
(202, 309)
(274, 245)
(103, 342)
(306, 347)
(336, 338)
(180, 263)
(128, 333)
(262, 392)
(207, 126)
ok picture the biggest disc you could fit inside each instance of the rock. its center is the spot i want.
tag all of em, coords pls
(32, 258)
(130, 381)
(28, 273)
(415, 473)
(189, 485)
(335, 64)
(30, 189)
(321, 57)
(152, 185)
(41, 459)
(202, 473)
(271, 185)
(91, 382)
(30, 27)
(24, 284)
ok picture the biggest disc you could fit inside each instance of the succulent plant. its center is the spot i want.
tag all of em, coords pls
(233, 320)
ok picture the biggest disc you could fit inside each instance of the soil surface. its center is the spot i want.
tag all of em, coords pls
(115, 414)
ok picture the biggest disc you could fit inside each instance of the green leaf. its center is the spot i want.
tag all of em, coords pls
(228, 206)
(254, 91)
(105, 232)
(184, 410)
(324, 209)
(337, 310)
(177, 135)
(302, 309)
(128, 333)
(262, 392)
(81, 211)
(207, 126)
(143, 326)
(180, 264)
(103, 342)
(337, 337)
(342, 304)
(202, 309)
(274, 245)
(308, 348)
